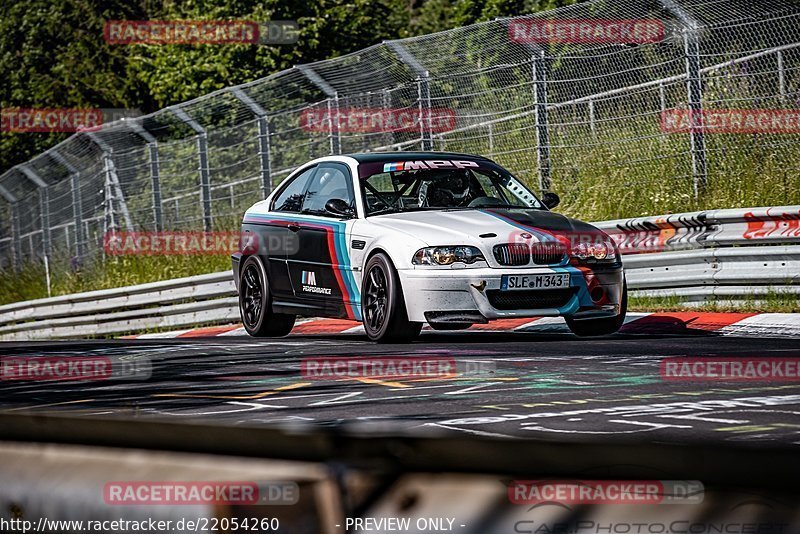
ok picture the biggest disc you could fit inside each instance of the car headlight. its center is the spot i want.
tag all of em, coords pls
(447, 255)
(600, 251)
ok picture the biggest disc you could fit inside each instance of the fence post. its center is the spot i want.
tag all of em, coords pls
(44, 206)
(386, 105)
(205, 179)
(263, 139)
(264, 156)
(540, 75)
(694, 90)
(44, 210)
(155, 172)
(77, 208)
(16, 245)
(423, 91)
(77, 213)
(424, 97)
(109, 213)
(115, 188)
(781, 76)
(155, 184)
(334, 133)
(17, 233)
(694, 84)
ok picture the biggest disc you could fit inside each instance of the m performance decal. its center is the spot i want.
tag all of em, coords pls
(337, 248)
(308, 279)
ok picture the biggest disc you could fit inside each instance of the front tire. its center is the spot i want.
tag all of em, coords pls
(601, 327)
(383, 305)
(255, 303)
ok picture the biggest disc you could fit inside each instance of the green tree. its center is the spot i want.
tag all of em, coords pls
(52, 54)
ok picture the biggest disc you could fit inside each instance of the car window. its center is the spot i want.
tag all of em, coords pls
(331, 181)
(292, 195)
(421, 189)
(503, 190)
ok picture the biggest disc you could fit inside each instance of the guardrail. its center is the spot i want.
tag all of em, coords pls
(702, 229)
(717, 255)
(203, 299)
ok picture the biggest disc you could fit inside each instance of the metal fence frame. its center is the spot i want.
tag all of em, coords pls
(103, 145)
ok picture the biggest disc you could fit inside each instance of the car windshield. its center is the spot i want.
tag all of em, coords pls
(452, 188)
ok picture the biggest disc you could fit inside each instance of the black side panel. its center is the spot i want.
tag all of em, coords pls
(272, 242)
(311, 272)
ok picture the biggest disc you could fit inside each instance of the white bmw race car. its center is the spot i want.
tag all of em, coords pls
(402, 238)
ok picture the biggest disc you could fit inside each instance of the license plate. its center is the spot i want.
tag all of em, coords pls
(512, 282)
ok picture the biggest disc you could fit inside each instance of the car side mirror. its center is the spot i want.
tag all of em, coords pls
(337, 206)
(551, 200)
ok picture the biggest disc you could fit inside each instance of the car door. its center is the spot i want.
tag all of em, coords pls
(320, 269)
(275, 241)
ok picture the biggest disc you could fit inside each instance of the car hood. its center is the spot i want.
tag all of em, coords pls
(467, 227)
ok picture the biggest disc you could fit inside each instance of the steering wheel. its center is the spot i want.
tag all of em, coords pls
(440, 198)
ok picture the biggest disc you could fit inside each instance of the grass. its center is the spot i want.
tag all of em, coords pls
(772, 302)
(113, 272)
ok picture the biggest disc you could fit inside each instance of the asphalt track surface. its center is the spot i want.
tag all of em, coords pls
(542, 386)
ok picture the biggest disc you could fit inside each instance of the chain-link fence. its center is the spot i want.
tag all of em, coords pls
(573, 100)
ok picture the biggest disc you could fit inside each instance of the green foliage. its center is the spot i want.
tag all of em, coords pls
(52, 54)
(328, 28)
(438, 15)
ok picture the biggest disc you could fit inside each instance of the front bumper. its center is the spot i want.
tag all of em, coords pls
(467, 295)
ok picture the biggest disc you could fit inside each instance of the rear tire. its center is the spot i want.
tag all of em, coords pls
(601, 327)
(382, 304)
(255, 303)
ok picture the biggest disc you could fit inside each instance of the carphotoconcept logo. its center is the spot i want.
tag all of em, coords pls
(586, 31)
(216, 32)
